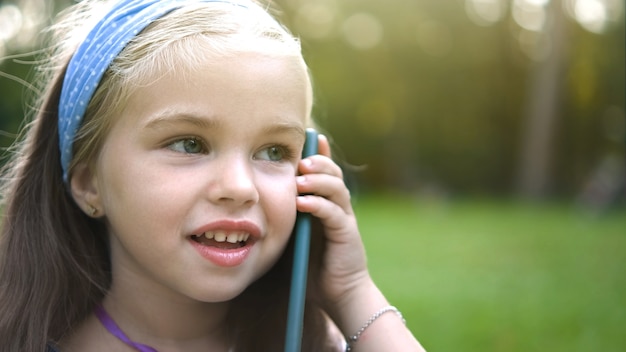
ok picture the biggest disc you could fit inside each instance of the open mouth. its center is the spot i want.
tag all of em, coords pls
(222, 239)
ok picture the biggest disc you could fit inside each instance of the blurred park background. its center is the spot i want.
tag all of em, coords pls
(484, 141)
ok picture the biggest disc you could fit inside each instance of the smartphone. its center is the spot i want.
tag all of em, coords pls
(302, 243)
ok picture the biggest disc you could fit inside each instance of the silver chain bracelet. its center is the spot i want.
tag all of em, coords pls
(352, 339)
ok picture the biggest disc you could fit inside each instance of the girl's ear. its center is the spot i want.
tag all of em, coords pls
(85, 191)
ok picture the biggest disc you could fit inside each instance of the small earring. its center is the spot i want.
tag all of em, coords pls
(93, 210)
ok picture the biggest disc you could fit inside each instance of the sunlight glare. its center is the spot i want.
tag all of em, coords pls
(485, 12)
(362, 31)
(591, 14)
(21, 23)
(538, 2)
(316, 20)
(595, 16)
(530, 14)
(10, 21)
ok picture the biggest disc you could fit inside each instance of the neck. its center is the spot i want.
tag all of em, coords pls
(165, 320)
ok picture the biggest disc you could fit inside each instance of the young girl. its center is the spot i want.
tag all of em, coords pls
(151, 203)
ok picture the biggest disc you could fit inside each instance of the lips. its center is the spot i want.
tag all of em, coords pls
(226, 243)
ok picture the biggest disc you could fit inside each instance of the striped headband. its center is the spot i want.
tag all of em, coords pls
(94, 55)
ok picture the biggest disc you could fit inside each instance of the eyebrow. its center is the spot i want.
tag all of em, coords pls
(167, 120)
(284, 127)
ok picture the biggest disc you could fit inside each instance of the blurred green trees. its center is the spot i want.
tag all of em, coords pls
(439, 96)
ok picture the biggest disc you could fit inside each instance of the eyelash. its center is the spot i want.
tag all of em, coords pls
(287, 152)
(195, 140)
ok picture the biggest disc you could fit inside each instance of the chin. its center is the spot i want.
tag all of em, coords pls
(218, 294)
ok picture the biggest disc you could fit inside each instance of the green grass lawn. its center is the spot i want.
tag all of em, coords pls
(476, 275)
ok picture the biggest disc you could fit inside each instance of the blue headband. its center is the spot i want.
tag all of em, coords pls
(94, 55)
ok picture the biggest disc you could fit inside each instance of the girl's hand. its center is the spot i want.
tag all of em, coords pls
(344, 267)
(350, 296)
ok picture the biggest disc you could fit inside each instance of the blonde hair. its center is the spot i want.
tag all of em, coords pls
(182, 40)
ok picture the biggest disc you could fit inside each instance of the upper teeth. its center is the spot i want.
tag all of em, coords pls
(221, 236)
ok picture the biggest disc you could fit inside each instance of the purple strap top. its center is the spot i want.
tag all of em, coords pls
(115, 330)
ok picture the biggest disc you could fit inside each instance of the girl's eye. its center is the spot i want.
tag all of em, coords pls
(273, 153)
(187, 146)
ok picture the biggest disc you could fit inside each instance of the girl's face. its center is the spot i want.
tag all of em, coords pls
(197, 176)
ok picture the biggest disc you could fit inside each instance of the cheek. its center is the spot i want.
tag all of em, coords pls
(282, 190)
(133, 187)
(279, 200)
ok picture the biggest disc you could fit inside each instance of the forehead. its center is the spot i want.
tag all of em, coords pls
(252, 87)
(177, 71)
(238, 71)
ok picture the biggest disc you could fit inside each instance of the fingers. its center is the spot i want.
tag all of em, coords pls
(316, 164)
(328, 187)
(322, 177)
(320, 164)
(332, 216)
(325, 196)
(323, 147)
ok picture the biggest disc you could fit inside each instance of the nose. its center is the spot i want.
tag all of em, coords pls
(234, 182)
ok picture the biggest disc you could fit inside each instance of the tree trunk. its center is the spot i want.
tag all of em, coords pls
(543, 108)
